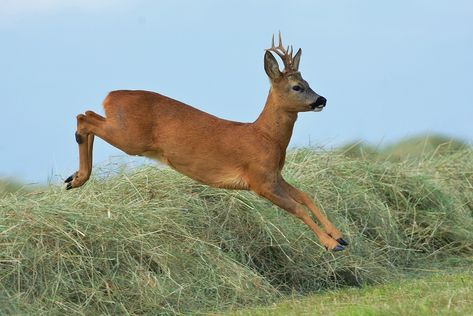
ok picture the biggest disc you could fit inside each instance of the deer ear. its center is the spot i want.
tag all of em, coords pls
(271, 66)
(296, 60)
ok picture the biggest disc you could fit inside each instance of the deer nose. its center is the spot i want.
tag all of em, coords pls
(320, 102)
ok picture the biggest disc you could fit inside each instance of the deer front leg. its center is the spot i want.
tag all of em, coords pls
(303, 198)
(277, 194)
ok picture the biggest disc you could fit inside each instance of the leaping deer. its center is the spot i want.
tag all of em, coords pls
(214, 151)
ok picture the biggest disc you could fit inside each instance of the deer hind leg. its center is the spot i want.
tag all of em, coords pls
(91, 124)
(86, 125)
(90, 138)
(90, 147)
(304, 199)
(278, 194)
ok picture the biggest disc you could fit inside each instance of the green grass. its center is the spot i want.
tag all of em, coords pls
(420, 147)
(151, 241)
(9, 186)
(435, 294)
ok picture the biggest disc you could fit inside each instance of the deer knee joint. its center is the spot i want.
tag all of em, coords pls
(304, 195)
(82, 128)
(299, 213)
(80, 117)
(93, 115)
(79, 138)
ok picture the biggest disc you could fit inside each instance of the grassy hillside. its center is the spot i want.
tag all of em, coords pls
(423, 146)
(413, 148)
(153, 241)
(436, 294)
(9, 186)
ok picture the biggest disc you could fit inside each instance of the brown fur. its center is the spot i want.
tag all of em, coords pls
(217, 152)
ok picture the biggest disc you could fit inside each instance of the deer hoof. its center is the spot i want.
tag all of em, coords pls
(342, 242)
(69, 179)
(338, 248)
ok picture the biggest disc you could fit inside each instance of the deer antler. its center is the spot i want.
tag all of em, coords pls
(285, 54)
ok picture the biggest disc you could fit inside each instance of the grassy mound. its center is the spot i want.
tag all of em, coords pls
(153, 241)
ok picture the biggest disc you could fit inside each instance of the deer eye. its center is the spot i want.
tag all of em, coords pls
(297, 88)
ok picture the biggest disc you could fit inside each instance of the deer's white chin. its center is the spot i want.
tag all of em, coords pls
(317, 109)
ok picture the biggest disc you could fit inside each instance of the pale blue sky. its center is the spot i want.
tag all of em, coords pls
(389, 69)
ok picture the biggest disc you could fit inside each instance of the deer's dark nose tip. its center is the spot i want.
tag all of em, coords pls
(320, 102)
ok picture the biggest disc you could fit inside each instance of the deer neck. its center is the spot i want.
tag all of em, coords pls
(275, 122)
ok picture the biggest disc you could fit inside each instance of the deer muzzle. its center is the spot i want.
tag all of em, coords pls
(319, 104)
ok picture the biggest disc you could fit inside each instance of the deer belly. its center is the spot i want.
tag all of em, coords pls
(206, 171)
(217, 178)
(227, 181)
(212, 174)
(156, 155)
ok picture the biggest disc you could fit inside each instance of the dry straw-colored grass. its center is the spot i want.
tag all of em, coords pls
(151, 241)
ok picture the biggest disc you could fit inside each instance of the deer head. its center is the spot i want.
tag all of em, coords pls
(291, 90)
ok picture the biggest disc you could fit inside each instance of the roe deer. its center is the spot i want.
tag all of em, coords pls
(214, 151)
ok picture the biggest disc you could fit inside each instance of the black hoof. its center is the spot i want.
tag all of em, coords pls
(338, 248)
(69, 186)
(69, 179)
(342, 242)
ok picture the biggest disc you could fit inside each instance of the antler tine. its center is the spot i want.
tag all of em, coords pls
(282, 52)
(280, 45)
